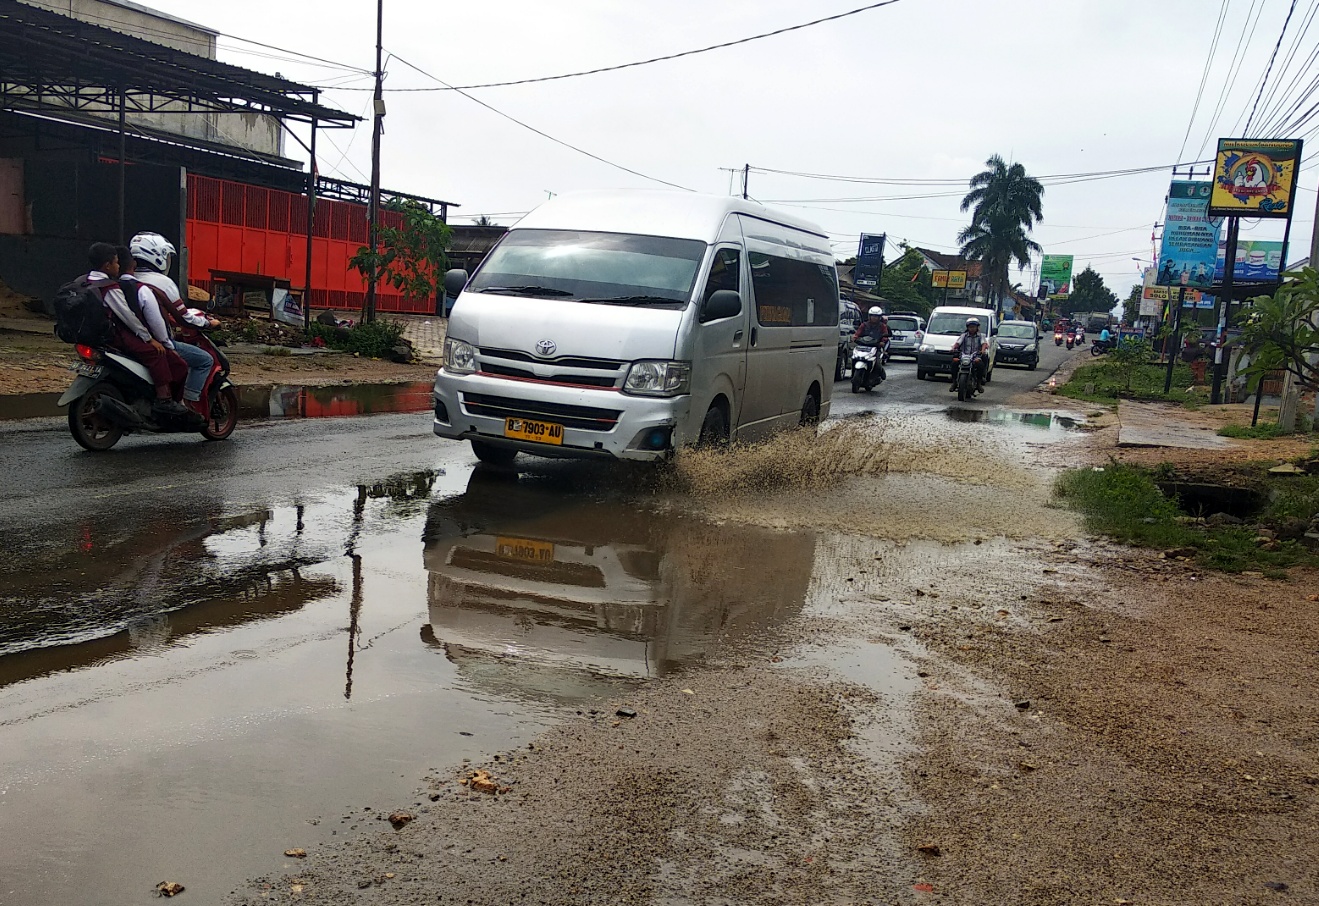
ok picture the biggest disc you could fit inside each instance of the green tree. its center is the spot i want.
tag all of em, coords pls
(410, 257)
(1131, 306)
(1006, 203)
(1282, 330)
(906, 284)
(1088, 294)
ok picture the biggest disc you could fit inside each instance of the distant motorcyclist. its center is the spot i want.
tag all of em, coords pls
(977, 344)
(875, 326)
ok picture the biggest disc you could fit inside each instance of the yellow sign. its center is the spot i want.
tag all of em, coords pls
(938, 279)
(957, 279)
(1254, 178)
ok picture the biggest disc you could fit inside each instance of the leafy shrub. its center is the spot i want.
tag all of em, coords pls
(373, 340)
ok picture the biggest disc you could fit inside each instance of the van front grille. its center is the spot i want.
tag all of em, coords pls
(586, 418)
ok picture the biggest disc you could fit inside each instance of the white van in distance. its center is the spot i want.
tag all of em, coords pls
(627, 324)
(947, 322)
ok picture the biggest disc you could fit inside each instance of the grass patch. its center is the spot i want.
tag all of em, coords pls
(1262, 431)
(278, 350)
(1110, 384)
(1124, 502)
(374, 340)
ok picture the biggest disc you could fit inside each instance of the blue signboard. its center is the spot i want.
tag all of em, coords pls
(1190, 238)
(869, 261)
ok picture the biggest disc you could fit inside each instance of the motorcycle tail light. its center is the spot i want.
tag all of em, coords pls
(87, 353)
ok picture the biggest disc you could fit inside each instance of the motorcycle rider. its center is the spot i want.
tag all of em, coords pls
(158, 295)
(131, 336)
(976, 343)
(874, 326)
(1105, 338)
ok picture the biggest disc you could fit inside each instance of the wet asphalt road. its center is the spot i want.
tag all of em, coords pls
(196, 637)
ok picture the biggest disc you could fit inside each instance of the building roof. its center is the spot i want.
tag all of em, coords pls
(949, 262)
(50, 62)
(148, 11)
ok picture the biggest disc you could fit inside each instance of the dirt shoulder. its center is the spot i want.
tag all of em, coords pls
(37, 363)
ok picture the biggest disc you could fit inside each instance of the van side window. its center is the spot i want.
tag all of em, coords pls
(725, 272)
(793, 293)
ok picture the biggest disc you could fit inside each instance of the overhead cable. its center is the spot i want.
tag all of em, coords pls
(1204, 76)
(545, 135)
(647, 62)
(1269, 69)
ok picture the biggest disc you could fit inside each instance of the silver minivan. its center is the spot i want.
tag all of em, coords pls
(627, 324)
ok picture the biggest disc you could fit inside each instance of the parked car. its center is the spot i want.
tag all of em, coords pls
(908, 331)
(849, 316)
(1019, 343)
(935, 354)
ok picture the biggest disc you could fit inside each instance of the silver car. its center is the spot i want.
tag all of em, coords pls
(907, 332)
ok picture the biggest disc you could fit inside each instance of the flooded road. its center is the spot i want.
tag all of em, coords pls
(212, 653)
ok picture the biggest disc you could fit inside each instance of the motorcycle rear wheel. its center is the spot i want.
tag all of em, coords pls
(224, 415)
(91, 430)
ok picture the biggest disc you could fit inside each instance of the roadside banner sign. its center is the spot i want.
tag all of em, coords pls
(869, 261)
(1190, 238)
(1162, 294)
(939, 279)
(957, 279)
(1056, 276)
(1257, 261)
(1254, 177)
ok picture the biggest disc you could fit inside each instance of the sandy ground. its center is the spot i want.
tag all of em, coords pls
(1009, 713)
(35, 363)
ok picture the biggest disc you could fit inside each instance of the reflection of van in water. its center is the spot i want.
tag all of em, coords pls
(626, 324)
(574, 586)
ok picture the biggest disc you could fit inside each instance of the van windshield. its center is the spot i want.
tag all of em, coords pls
(604, 268)
(948, 324)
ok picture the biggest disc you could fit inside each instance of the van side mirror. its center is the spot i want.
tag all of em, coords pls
(723, 303)
(454, 281)
(993, 331)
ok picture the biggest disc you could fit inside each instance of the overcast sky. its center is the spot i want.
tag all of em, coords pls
(921, 89)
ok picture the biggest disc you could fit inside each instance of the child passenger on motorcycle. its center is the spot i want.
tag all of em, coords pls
(974, 342)
(161, 300)
(131, 336)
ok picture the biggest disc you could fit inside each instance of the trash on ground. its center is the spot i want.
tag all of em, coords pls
(168, 889)
(399, 819)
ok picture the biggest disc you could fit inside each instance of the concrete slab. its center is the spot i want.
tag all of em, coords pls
(1159, 425)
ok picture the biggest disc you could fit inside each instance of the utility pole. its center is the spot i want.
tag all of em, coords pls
(746, 178)
(311, 220)
(373, 210)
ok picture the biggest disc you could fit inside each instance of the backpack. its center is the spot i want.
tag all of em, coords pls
(80, 316)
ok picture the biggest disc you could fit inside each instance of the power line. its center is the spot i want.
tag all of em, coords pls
(1238, 59)
(546, 135)
(1269, 69)
(1273, 109)
(1204, 76)
(1052, 179)
(666, 57)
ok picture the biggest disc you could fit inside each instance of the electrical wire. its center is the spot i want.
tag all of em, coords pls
(542, 134)
(1204, 76)
(647, 62)
(1276, 100)
(1048, 179)
(1269, 69)
(1238, 59)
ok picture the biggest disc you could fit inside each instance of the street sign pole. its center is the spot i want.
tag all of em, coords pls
(1229, 275)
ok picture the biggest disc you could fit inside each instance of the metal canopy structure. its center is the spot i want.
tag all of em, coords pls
(49, 61)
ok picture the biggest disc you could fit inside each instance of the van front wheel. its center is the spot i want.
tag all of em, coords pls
(714, 429)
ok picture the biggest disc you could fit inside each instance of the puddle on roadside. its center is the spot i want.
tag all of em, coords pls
(204, 671)
(1052, 421)
(270, 401)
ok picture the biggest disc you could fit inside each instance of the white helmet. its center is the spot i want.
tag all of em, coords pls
(152, 248)
(876, 310)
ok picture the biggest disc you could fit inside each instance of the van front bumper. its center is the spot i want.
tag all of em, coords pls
(935, 361)
(595, 423)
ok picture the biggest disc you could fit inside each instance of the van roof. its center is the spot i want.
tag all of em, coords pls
(653, 212)
(963, 310)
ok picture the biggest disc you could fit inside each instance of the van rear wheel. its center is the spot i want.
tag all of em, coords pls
(492, 455)
(810, 410)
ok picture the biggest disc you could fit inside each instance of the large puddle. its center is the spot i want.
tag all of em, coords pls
(190, 692)
(187, 697)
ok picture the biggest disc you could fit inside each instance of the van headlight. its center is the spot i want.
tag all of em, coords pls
(658, 379)
(925, 347)
(459, 357)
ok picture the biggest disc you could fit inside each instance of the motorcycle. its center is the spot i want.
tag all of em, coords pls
(868, 364)
(1100, 347)
(1057, 338)
(112, 395)
(1071, 339)
(967, 378)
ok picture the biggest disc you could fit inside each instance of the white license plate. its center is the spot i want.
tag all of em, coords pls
(91, 371)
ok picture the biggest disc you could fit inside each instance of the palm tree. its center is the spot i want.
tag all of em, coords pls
(1007, 203)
